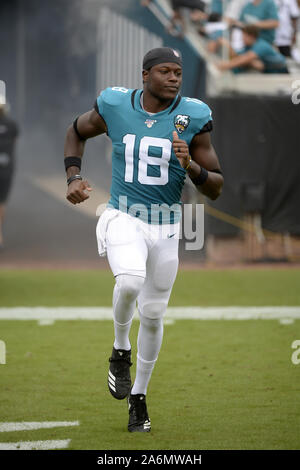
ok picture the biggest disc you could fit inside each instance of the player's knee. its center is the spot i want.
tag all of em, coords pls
(154, 310)
(129, 286)
(152, 324)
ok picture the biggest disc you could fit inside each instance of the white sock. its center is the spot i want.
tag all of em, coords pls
(122, 335)
(143, 375)
(149, 342)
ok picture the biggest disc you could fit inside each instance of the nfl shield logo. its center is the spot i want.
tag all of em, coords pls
(181, 122)
(150, 122)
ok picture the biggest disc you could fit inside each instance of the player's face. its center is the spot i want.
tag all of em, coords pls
(163, 80)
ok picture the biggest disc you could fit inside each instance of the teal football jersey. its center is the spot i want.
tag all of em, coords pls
(147, 178)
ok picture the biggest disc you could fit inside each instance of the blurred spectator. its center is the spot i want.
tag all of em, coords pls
(217, 7)
(232, 14)
(214, 29)
(177, 25)
(262, 14)
(286, 33)
(8, 134)
(233, 9)
(257, 55)
(177, 20)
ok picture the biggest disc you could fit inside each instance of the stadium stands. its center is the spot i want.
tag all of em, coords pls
(219, 82)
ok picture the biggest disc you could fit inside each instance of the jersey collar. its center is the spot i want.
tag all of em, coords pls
(136, 104)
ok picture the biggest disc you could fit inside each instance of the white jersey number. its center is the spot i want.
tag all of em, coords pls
(145, 159)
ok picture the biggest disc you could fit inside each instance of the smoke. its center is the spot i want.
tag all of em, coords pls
(81, 26)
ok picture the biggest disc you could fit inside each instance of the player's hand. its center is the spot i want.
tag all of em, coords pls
(181, 150)
(76, 191)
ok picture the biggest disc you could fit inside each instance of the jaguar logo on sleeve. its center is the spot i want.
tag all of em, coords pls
(181, 122)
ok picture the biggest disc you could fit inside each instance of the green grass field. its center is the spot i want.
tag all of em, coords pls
(217, 385)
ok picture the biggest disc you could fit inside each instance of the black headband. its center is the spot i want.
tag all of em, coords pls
(161, 55)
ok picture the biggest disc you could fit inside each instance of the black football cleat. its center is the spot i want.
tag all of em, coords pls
(119, 380)
(138, 416)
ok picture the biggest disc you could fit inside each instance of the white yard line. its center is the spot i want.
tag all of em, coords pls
(36, 445)
(49, 314)
(29, 426)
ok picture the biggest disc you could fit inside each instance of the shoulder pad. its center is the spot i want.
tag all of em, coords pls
(196, 108)
(115, 95)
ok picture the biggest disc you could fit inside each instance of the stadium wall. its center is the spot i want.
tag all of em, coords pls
(257, 141)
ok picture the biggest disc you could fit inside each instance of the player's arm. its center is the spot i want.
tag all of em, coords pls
(87, 125)
(201, 163)
(204, 156)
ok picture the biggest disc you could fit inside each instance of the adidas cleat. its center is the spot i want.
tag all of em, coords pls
(119, 380)
(138, 416)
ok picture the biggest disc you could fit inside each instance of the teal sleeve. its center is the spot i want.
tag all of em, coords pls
(273, 12)
(203, 118)
(101, 104)
(259, 49)
(104, 108)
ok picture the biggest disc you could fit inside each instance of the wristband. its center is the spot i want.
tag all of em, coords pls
(73, 178)
(72, 161)
(201, 178)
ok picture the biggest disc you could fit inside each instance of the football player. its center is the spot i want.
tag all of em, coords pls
(158, 138)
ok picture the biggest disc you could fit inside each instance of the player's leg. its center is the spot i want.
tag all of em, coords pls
(126, 290)
(162, 265)
(153, 300)
(127, 254)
